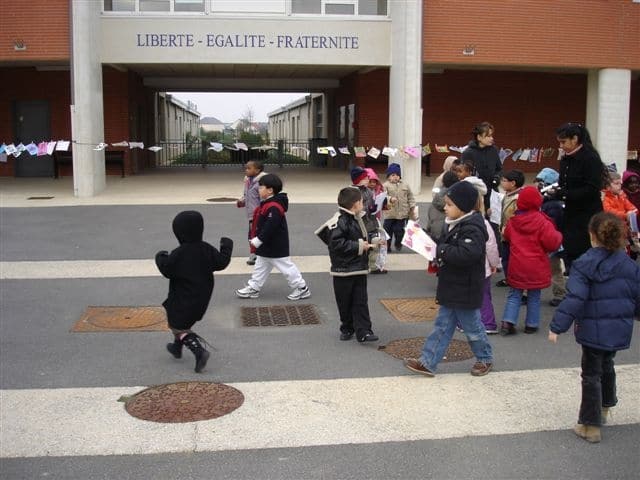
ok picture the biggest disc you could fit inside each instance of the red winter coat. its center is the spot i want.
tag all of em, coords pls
(532, 237)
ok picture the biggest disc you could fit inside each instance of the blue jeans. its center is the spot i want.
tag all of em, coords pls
(435, 346)
(512, 307)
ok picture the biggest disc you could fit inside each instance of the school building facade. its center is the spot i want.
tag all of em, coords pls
(392, 72)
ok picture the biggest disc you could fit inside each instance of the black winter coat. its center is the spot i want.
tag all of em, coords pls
(189, 269)
(271, 227)
(487, 163)
(346, 245)
(580, 183)
(461, 263)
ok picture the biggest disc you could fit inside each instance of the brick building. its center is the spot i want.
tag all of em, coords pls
(397, 72)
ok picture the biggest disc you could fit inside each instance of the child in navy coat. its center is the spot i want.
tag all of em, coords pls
(603, 298)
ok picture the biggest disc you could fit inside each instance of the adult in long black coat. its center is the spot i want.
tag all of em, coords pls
(582, 175)
(483, 154)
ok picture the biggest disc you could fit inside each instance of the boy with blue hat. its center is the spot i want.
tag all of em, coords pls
(401, 204)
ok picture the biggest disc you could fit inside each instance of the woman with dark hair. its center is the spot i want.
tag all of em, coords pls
(484, 156)
(582, 175)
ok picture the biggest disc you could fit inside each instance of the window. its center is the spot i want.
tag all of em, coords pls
(340, 7)
(119, 5)
(189, 6)
(154, 5)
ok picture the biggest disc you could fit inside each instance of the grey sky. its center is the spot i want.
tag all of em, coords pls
(228, 107)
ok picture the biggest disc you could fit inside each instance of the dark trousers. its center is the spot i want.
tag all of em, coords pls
(598, 385)
(353, 304)
(504, 256)
(395, 228)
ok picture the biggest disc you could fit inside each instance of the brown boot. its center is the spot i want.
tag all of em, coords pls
(590, 433)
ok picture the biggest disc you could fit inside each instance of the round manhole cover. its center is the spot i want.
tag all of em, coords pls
(184, 402)
(125, 317)
(412, 347)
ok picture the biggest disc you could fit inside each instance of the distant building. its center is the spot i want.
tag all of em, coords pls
(175, 119)
(299, 120)
(212, 124)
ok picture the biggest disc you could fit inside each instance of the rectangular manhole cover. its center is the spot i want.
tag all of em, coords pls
(122, 319)
(279, 315)
(411, 310)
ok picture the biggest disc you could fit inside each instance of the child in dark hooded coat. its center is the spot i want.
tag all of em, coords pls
(189, 269)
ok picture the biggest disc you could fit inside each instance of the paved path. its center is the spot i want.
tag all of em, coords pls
(314, 407)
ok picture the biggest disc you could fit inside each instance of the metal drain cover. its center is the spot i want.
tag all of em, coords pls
(279, 315)
(411, 310)
(184, 402)
(117, 319)
(412, 347)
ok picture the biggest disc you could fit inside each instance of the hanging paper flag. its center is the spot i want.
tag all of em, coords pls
(19, 149)
(332, 151)
(516, 155)
(373, 152)
(504, 153)
(442, 148)
(42, 148)
(62, 145)
(264, 148)
(548, 152)
(3, 147)
(389, 151)
(3, 157)
(51, 147)
(323, 150)
(10, 149)
(426, 150)
(155, 149)
(133, 145)
(413, 151)
(344, 150)
(632, 154)
(241, 146)
(101, 146)
(232, 148)
(360, 153)
(216, 147)
(32, 148)
(123, 143)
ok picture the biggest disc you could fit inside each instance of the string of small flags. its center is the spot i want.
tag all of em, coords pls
(522, 154)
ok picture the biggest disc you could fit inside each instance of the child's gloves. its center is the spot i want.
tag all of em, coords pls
(226, 243)
(240, 203)
(162, 253)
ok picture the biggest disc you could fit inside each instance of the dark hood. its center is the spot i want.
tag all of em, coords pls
(188, 226)
(280, 198)
(602, 265)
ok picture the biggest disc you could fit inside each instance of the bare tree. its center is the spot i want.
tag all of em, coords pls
(247, 119)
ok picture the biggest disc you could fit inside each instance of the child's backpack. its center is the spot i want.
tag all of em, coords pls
(324, 231)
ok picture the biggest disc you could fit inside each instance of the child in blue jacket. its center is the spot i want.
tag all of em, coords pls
(603, 297)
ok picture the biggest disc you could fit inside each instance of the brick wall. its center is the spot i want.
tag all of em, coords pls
(43, 26)
(542, 33)
(525, 108)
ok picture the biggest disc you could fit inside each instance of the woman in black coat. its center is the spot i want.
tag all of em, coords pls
(582, 176)
(483, 154)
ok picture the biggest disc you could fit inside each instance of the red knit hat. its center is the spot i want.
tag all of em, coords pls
(529, 198)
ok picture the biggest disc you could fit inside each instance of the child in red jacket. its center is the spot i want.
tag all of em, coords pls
(532, 237)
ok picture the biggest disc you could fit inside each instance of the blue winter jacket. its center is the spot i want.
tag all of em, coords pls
(603, 297)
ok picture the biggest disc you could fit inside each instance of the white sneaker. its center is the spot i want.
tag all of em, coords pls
(248, 292)
(299, 293)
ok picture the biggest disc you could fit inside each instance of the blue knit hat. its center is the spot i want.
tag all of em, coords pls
(393, 168)
(548, 176)
(357, 175)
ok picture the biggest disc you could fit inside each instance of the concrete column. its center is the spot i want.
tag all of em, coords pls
(608, 104)
(87, 113)
(405, 86)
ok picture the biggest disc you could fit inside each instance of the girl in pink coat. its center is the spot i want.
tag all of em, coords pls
(532, 237)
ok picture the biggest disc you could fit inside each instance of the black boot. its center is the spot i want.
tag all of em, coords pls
(192, 342)
(175, 348)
